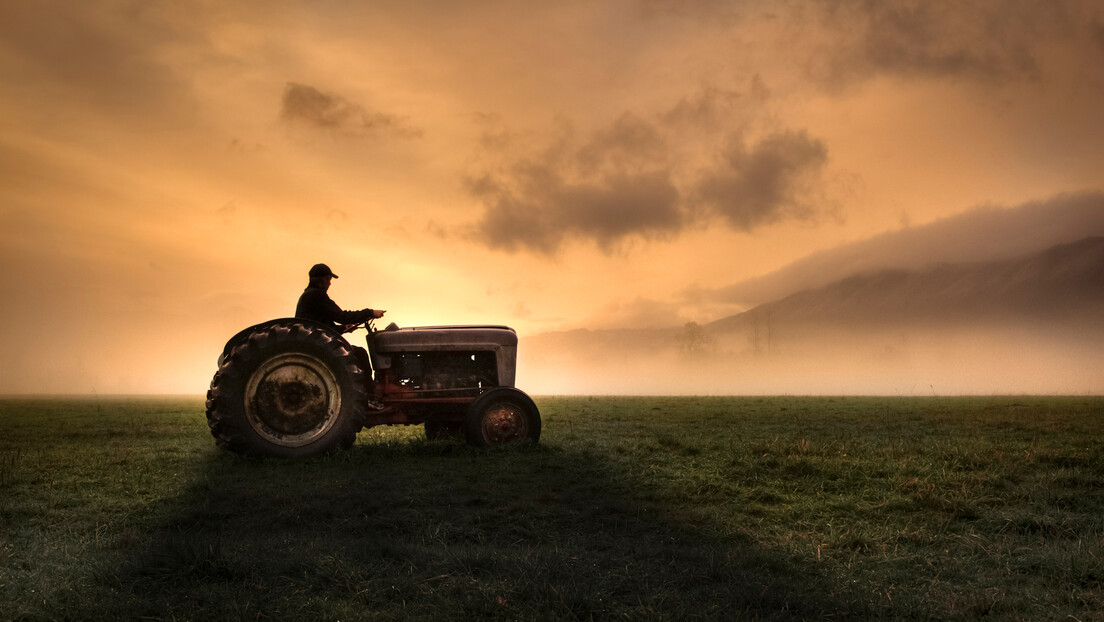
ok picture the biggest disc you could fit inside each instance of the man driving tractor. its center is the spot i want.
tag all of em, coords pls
(294, 387)
(315, 304)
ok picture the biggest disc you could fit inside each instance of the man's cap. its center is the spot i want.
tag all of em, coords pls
(320, 270)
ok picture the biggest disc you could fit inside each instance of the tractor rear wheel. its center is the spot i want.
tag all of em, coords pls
(288, 389)
(502, 415)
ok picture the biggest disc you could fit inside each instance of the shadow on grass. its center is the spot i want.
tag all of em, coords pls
(420, 529)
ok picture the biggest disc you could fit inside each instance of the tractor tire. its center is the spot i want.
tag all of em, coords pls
(502, 415)
(289, 389)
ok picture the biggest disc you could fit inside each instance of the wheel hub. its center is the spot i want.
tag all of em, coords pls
(504, 422)
(292, 399)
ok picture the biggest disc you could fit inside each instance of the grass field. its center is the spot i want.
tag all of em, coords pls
(630, 508)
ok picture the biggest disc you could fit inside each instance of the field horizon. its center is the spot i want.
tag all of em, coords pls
(917, 394)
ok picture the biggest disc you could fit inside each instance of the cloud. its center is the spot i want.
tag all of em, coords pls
(639, 178)
(713, 107)
(305, 105)
(615, 184)
(985, 42)
(540, 209)
(765, 182)
(1096, 31)
(629, 143)
(844, 42)
(987, 233)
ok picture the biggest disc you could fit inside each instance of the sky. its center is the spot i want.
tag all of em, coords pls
(169, 171)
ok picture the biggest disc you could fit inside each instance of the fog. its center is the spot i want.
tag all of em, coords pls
(1033, 323)
(999, 359)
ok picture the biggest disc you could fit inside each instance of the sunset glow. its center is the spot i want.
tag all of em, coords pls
(170, 171)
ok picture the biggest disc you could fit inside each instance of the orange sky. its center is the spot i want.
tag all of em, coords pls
(170, 170)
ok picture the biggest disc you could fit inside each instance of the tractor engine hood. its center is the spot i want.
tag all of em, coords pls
(501, 340)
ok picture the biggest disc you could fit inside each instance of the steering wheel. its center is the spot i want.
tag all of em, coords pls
(348, 328)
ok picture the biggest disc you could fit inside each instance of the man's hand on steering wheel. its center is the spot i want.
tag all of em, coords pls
(376, 314)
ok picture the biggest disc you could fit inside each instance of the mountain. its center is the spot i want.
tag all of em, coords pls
(1061, 282)
(978, 235)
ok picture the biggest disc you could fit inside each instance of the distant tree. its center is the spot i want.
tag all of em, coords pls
(760, 337)
(692, 339)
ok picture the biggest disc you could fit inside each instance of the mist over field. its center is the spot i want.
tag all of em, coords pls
(998, 360)
(1030, 324)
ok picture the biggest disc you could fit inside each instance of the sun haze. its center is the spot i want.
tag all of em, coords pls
(170, 171)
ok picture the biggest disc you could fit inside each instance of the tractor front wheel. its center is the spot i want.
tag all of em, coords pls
(502, 415)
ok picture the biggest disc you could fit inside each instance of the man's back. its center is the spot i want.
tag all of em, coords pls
(315, 304)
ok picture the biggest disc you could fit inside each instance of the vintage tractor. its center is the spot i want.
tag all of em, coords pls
(296, 388)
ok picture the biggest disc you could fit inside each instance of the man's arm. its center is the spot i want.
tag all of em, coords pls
(351, 317)
(317, 305)
(339, 316)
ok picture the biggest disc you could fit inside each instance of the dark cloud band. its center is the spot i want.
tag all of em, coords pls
(306, 105)
(766, 182)
(625, 180)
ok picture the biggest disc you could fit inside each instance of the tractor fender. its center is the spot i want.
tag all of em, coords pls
(243, 334)
(499, 392)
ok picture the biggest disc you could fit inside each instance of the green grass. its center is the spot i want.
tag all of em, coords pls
(630, 508)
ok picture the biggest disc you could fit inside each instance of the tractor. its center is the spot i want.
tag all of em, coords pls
(295, 388)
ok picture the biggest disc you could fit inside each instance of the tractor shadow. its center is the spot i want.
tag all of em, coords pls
(420, 529)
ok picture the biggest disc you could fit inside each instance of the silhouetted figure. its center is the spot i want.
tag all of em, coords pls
(315, 304)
